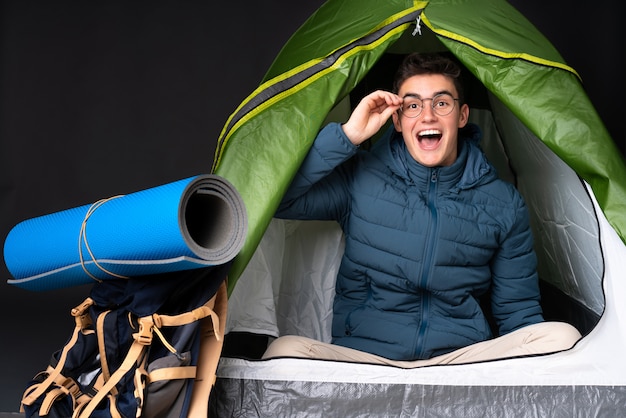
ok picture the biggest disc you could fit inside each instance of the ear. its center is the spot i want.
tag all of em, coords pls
(396, 121)
(463, 115)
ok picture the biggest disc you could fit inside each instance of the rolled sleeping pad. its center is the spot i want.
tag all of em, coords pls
(196, 222)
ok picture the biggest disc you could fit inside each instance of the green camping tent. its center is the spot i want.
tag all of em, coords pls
(271, 131)
(544, 136)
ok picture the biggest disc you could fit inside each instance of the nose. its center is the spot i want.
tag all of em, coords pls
(428, 112)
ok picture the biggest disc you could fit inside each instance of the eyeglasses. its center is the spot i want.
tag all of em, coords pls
(442, 104)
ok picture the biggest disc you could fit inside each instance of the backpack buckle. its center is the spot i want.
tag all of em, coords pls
(81, 314)
(144, 335)
(72, 387)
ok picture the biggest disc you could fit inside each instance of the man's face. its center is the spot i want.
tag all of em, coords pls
(430, 138)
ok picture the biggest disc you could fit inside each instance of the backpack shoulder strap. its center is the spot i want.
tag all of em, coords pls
(134, 354)
(211, 344)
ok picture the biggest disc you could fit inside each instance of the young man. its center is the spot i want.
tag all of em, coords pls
(429, 229)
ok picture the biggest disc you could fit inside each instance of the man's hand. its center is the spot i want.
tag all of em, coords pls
(370, 115)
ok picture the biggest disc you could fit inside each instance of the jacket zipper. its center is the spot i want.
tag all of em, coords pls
(428, 258)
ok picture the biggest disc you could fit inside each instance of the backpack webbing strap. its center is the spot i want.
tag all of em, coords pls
(156, 321)
(140, 383)
(51, 397)
(134, 354)
(170, 373)
(104, 364)
(115, 413)
(187, 317)
(81, 317)
(211, 343)
(67, 387)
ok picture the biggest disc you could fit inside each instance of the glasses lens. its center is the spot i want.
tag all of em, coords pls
(443, 104)
(412, 107)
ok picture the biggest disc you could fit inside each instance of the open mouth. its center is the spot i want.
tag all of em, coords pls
(429, 139)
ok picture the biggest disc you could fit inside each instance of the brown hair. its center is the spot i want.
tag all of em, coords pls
(429, 63)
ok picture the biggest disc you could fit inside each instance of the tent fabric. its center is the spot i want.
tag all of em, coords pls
(355, 399)
(191, 223)
(274, 127)
(293, 105)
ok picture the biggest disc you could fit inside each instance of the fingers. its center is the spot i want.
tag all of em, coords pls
(370, 115)
(380, 101)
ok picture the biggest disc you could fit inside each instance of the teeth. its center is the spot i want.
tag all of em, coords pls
(430, 132)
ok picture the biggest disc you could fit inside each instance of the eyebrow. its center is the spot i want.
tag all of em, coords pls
(418, 96)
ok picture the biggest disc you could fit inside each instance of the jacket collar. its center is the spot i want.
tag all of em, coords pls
(470, 168)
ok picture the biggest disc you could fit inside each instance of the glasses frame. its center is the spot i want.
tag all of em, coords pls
(432, 105)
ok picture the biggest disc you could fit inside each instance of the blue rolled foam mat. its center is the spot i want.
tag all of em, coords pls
(191, 223)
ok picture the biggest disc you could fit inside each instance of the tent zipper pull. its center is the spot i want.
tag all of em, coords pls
(418, 28)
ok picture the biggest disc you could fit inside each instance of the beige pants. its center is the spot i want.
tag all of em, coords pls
(545, 337)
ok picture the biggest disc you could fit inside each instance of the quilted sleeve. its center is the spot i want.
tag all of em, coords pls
(515, 286)
(320, 188)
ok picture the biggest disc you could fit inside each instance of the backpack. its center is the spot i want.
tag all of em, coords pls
(141, 347)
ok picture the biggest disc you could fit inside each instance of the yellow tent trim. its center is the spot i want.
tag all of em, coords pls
(490, 51)
(300, 86)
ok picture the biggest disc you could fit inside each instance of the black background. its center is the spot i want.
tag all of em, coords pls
(106, 98)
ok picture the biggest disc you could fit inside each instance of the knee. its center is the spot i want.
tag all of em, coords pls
(565, 334)
(287, 346)
(555, 336)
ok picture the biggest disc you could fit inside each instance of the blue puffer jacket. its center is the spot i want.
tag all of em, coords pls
(422, 245)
